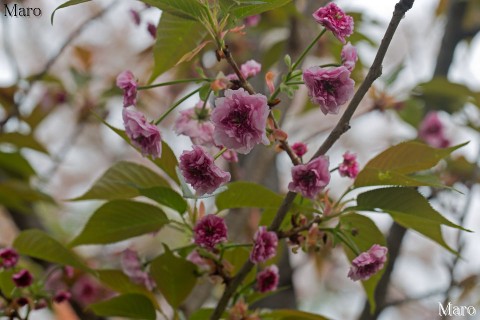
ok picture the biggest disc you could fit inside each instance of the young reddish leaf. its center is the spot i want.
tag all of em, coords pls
(190, 55)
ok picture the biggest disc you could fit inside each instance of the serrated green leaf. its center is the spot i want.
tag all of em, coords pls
(22, 141)
(38, 244)
(284, 314)
(122, 181)
(244, 8)
(118, 281)
(119, 220)
(243, 194)
(185, 9)
(395, 165)
(66, 4)
(175, 277)
(409, 209)
(133, 306)
(364, 233)
(167, 197)
(175, 38)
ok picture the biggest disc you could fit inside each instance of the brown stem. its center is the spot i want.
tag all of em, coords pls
(375, 71)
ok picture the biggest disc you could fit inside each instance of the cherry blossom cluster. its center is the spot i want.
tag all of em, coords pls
(238, 121)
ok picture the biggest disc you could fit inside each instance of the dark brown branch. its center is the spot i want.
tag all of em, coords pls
(375, 71)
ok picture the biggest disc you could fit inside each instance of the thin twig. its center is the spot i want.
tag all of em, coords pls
(343, 125)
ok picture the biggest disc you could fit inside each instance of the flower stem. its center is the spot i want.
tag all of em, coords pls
(220, 153)
(163, 84)
(297, 63)
(176, 105)
(307, 49)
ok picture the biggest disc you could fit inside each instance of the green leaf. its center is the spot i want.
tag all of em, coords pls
(395, 165)
(364, 233)
(445, 95)
(409, 209)
(167, 197)
(284, 314)
(7, 286)
(244, 8)
(175, 38)
(243, 194)
(118, 281)
(66, 4)
(15, 165)
(19, 195)
(38, 244)
(168, 162)
(119, 220)
(22, 141)
(237, 257)
(122, 181)
(186, 9)
(133, 306)
(175, 277)
(201, 314)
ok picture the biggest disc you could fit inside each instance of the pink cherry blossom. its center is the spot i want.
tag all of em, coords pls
(267, 279)
(8, 258)
(195, 123)
(349, 166)
(142, 134)
(368, 263)
(349, 56)
(329, 87)
(311, 178)
(252, 21)
(23, 278)
(199, 170)
(210, 231)
(126, 81)
(62, 296)
(132, 267)
(250, 68)
(432, 131)
(240, 120)
(334, 19)
(299, 148)
(264, 246)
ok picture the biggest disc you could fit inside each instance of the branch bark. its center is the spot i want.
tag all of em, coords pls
(343, 125)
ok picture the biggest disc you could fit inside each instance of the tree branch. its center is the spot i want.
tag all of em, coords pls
(375, 71)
